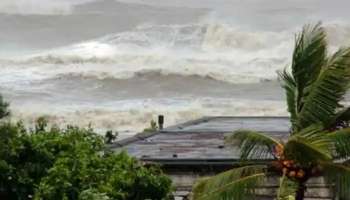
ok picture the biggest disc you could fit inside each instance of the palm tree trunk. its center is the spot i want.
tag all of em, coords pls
(300, 192)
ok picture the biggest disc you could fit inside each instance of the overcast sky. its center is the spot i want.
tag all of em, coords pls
(37, 6)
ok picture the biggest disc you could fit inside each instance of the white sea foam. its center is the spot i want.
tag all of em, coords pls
(209, 49)
(218, 51)
(131, 117)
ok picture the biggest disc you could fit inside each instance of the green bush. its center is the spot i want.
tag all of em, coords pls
(71, 164)
(92, 194)
(4, 112)
(153, 127)
(110, 137)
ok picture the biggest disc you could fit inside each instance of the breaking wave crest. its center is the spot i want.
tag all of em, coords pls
(218, 51)
(122, 80)
(215, 50)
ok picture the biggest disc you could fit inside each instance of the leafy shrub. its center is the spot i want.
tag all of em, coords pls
(4, 112)
(152, 127)
(71, 164)
(110, 137)
(92, 194)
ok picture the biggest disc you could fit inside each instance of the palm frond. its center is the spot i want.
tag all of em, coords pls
(309, 57)
(253, 145)
(306, 150)
(340, 175)
(235, 184)
(342, 116)
(326, 92)
(287, 189)
(288, 83)
(312, 132)
(341, 142)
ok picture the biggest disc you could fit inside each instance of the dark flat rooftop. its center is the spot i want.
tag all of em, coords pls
(200, 140)
(229, 124)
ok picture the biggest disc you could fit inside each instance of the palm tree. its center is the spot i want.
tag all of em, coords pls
(319, 140)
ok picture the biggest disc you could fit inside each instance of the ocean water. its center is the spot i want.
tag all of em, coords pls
(119, 64)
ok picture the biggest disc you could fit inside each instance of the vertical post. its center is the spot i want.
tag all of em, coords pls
(160, 122)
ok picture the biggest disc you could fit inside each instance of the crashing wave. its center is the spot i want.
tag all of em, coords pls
(218, 51)
(215, 50)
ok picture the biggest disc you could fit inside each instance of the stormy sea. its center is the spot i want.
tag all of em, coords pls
(118, 64)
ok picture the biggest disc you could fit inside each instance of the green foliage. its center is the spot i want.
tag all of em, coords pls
(306, 153)
(72, 164)
(92, 194)
(153, 127)
(235, 184)
(318, 82)
(287, 189)
(253, 145)
(4, 111)
(110, 137)
(41, 124)
(290, 87)
(341, 141)
(320, 131)
(327, 91)
(340, 175)
(309, 146)
(309, 57)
